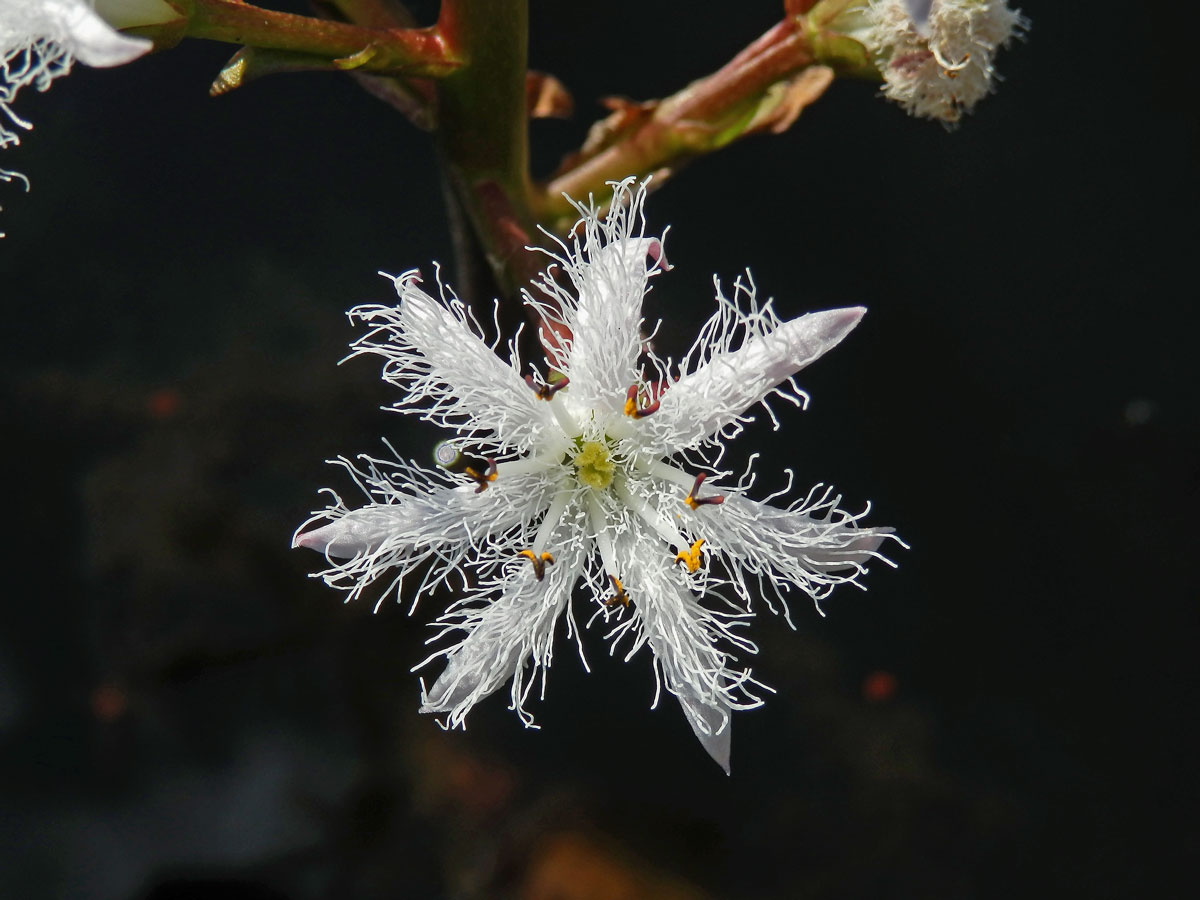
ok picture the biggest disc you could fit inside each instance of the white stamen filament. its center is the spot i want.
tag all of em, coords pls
(569, 429)
(599, 523)
(553, 513)
(526, 465)
(650, 516)
(620, 428)
(666, 472)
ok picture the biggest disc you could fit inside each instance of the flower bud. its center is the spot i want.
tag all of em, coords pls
(936, 57)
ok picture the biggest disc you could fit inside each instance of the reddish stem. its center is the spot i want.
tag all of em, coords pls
(411, 51)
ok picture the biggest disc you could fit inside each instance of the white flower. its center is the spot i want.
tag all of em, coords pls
(936, 57)
(595, 480)
(40, 39)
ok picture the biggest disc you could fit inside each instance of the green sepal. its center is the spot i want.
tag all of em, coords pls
(843, 54)
(251, 63)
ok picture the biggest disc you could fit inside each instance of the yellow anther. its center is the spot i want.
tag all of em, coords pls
(619, 595)
(539, 562)
(691, 558)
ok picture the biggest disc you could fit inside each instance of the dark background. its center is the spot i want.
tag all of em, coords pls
(184, 714)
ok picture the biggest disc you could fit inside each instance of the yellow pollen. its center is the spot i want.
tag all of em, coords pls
(594, 464)
(691, 558)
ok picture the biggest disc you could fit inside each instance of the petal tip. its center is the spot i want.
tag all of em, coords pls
(331, 539)
(307, 539)
(850, 316)
(718, 748)
(713, 727)
(834, 324)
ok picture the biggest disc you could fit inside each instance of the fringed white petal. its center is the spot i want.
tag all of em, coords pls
(359, 531)
(434, 350)
(511, 637)
(607, 326)
(417, 516)
(719, 391)
(39, 41)
(693, 646)
(712, 726)
(132, 13)
(812, 545)
(608, 263)
(90, 39)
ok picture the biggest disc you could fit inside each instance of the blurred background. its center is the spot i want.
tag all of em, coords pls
(184, 714)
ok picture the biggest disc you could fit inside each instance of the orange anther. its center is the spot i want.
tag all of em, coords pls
(539, 562)
(691, 558)
(619, 595)
(483, 480)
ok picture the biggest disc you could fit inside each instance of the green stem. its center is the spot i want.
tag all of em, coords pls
(409, 51)
(483, 130)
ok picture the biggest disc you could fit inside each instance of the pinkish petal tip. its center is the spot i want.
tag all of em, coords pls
(333, 539)
(834, 324)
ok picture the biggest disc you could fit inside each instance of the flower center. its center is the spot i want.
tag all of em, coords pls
(594, 465)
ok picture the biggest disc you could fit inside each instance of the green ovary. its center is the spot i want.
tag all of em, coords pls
(594, 465)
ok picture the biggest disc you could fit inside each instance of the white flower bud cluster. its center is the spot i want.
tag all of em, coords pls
(936, 58)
